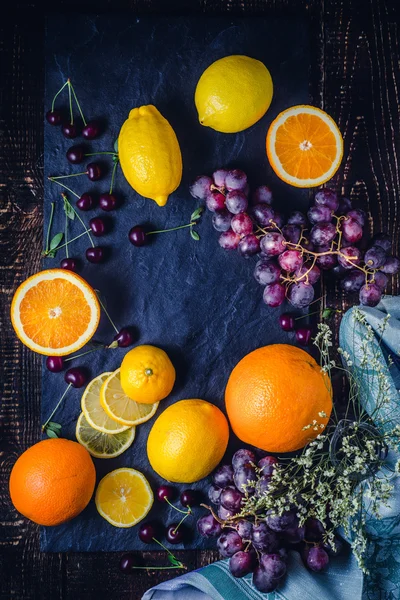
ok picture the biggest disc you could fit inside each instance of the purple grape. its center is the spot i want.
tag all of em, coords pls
(242, 224)
(328, 261)
(357, 214)
(274, 565)
(281, 522)
(322, 234)
(262, 195)
(229, 543)
(215, 201)
(294, 535)
(301, 294)
(317, 559)
(278, 220)
(297, 218)
(319, 214)
(273, 243)
(274, 294)
(249, 245)
(229, 240)
(263, 581)
(231, 498)
(263, 214)
(223, 476)
(370, 294)
(292, 233)
(286, 321)
(244, 529)
(283, 553)
(391, 266)
(327, 197)
(375, 257)
(264, 539)
(314, 530)
(344, 206)
(352, 230)
(221, 220)
(208, 526)
(267, 464)
(214, 494)
(339, 272)
(290, 260)
(381, 279)
(353, 281)
(307, 245)
(200, 188)
(236, 202)
(351, 256)
(235, 180)
(242, 476)
(267, 271)
(263, 484)
(224, 513)
(313, 274)
(219, 177)
(243, 457)
(241, 563)
(382, 240)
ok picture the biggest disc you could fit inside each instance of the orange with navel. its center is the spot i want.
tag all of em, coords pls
(275, 392)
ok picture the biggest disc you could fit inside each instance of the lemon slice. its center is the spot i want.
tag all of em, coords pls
(94, 412)
(124, 497)
(103, 445)
(120, 407)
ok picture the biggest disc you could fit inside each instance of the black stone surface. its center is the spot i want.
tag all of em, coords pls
(198, 302)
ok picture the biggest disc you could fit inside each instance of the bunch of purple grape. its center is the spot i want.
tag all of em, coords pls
(293, 251)
(260, 544)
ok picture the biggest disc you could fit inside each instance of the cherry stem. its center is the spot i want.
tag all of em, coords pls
(56, 408)
(83, 353)
(70, 103)
(181, 521)
(184, 512)
(113, 175)
(64, 197)
(49, 227)
(71, 87)
(67, 176)
(58, 93)
(172, 228)
(97, 153)
(180, 566)
(73, 239)
(64, 186)
(106, 312)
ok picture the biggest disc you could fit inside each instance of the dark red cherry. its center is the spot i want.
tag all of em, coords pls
(124, 337)
(108, 202)
(76, 377)
(137, 236)
(147, 532)
(70, 130)
(95, 255)
(85, 202)
(54, 117)
(174, 535)
(91, 130)
(165, 492)
(189, 498)
(286, 321)
(75, 155)
(98, 226)
(303, 335)
(71, 264)
(55, 364)
(126, 563)
(94, 171)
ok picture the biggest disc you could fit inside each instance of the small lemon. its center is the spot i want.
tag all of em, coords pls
(147, 374)
(149, 154)
(187, 441)
(233, 93)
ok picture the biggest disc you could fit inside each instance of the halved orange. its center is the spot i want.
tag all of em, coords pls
(55, 312)
(304, 146)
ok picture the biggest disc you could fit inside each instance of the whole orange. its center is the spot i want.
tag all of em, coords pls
(52, 481)
(273, 393)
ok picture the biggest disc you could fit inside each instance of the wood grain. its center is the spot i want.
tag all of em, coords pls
(354, 75)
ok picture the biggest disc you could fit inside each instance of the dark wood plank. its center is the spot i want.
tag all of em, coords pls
(353, 75)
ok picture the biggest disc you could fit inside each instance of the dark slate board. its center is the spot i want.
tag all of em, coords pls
(198, 302)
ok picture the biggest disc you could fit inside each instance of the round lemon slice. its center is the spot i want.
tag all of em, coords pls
(93, 410)
(103, 445)
(119, 407)
(124, 497)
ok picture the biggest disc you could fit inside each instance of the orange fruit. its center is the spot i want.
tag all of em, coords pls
(52, 481)
(304, 146)
(147, 374)
(55, 312)
(273, 393)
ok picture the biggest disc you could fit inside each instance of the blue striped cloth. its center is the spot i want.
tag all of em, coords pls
(343, 580)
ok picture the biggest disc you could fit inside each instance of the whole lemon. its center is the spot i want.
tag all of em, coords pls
(147, 374)
(187, 441)
(149, 154)
(233, 93)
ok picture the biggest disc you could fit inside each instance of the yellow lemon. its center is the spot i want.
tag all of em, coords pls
(149, 154)
(147, 374)
(187, 441)
(233, 93)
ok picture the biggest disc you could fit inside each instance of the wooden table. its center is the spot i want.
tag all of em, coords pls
(354, 75)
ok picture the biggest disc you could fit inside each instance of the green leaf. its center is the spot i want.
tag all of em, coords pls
(116, 145)
(174, 562)
(51, 254)
(197, 214)
(194, 235)
(54, 426)
(69, 211)
(56, 241)
(51, 433)
(328, 312)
